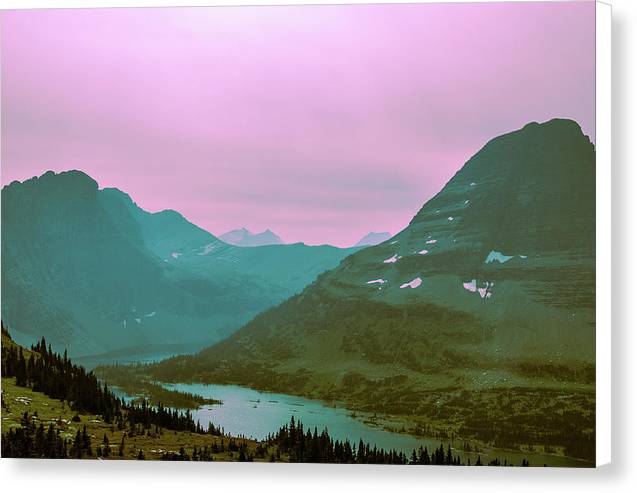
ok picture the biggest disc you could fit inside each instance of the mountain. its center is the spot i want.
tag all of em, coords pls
(94, 273)
(371, 239)
(492, 283)
(243, 237)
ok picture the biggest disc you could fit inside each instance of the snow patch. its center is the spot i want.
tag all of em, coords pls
(151, 314)
(470, 286)
(175, 255)
(423, 252)
(431, 242)
(484, 291)
(393, 242)
(413, 284)
(138, 320)
(207, 249)
(392, 260)
(472, 184)
(377, 281)
(450, 218)
(466, 202)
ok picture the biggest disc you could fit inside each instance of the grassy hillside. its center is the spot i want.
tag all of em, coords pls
(152, 443)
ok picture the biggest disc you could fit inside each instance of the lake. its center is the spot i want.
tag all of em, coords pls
(255, 414)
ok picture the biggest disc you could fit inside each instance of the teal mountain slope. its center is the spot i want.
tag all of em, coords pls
(93, 272)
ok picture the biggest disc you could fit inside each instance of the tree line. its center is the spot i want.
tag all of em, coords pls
(294, 443)
(306, 445)
(56, 376)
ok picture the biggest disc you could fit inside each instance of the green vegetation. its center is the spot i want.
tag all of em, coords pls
(134, 384)
(126, 442)
(402, 375)
(71, 415)
(37, 426)
(551, 420)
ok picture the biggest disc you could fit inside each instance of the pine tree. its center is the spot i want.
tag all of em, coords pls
(106, 446)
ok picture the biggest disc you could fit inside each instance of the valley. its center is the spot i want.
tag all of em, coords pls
(476, 321)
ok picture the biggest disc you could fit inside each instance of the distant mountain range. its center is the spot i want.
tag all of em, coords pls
(243, 237)
(371, 239)
(94, 273)
(491, 283)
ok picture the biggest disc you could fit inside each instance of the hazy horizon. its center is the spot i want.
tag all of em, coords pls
(320, 123)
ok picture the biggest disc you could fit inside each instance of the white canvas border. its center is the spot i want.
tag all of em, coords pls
(603, 316)
(603, 186)
(33, 4)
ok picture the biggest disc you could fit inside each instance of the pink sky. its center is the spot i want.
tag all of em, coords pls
(322, 123)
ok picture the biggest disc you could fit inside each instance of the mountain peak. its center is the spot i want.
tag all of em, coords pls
(373, 238)
(552, 156)
(562, 130)
(72, 179)
(564, 123)
(66, 187)
(243, 237)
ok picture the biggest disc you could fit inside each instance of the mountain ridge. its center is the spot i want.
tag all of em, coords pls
(92, 271)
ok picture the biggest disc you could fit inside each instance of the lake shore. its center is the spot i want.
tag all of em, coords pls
(253, 414)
